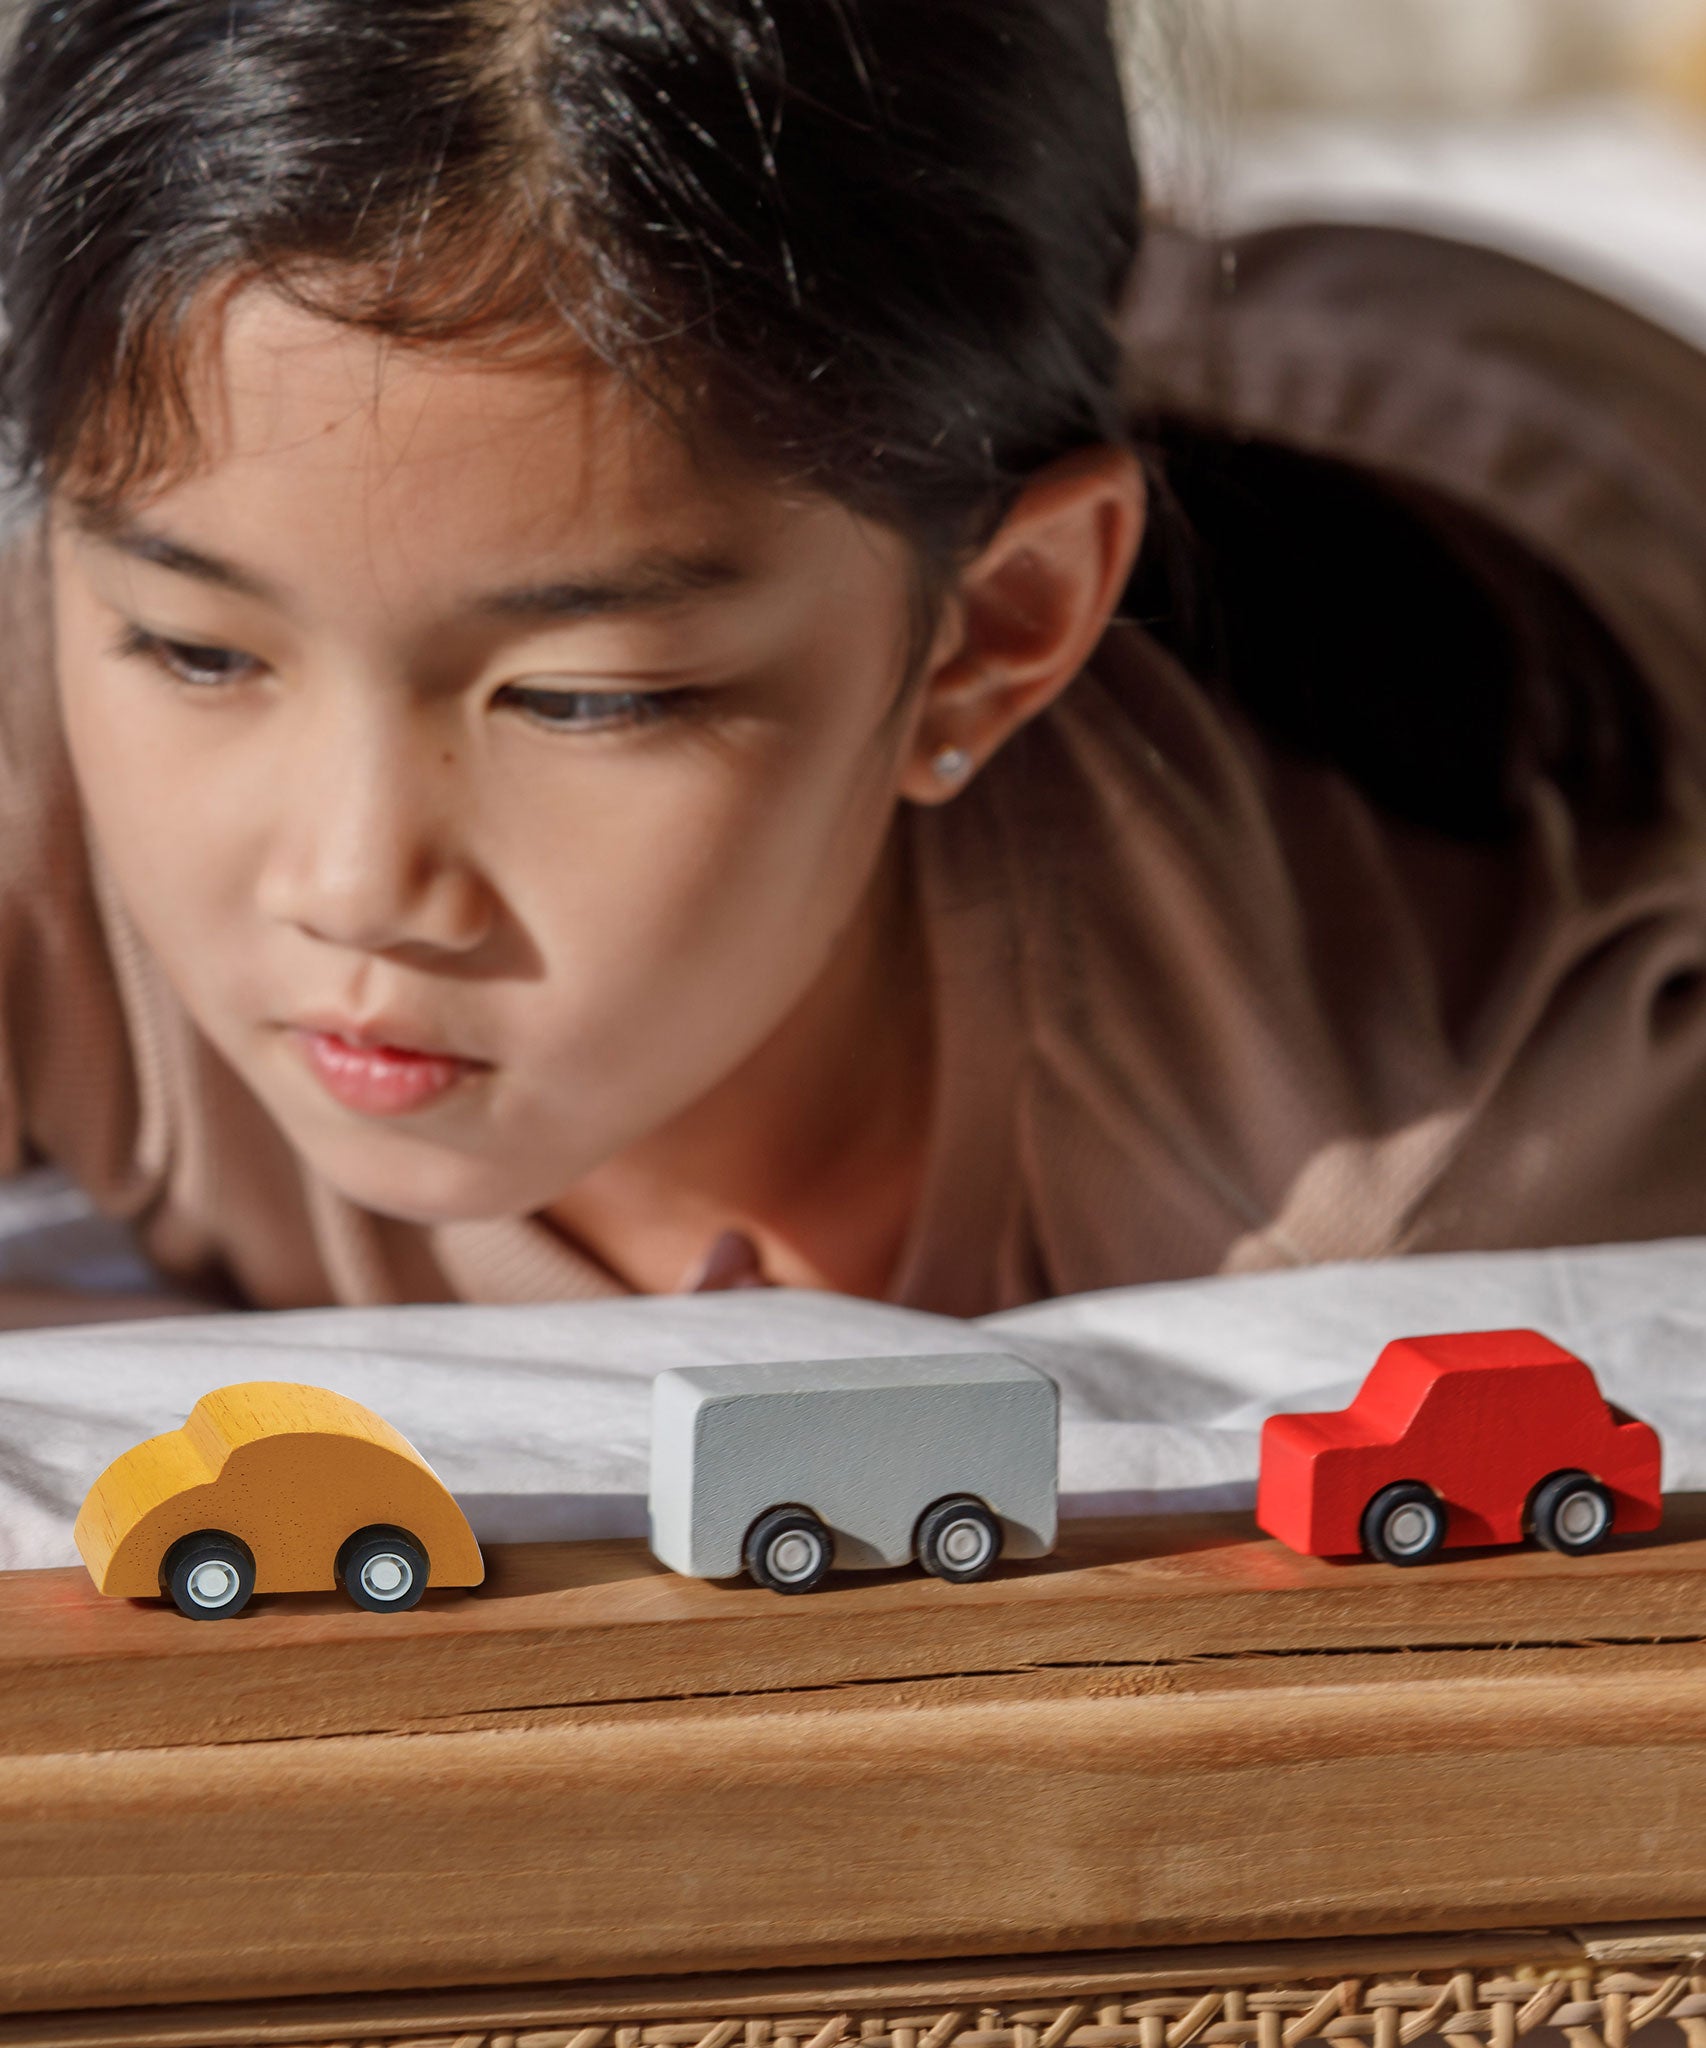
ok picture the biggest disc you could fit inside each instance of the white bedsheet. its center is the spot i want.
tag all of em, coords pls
(536, 1417)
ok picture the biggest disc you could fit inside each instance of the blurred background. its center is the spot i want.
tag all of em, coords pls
(1573, 131)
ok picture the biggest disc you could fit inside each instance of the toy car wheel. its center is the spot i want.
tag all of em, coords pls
(1571, 1513)
(789, 1550)
(384, 1570)
(1404, 1524)
(208, 1575)
(958, 1540)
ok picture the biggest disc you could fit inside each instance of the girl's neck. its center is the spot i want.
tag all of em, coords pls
(814, 1148)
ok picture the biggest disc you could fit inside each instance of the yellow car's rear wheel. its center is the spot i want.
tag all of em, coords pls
(383, 1569)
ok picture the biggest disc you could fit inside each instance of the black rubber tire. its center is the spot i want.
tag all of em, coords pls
(1552, 1503)
(183, 1565)
(760, 1551)
(1378, 1518)
(362, 1569)
(941, 1525)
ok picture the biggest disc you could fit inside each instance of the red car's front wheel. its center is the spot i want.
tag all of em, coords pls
(1404, 1523)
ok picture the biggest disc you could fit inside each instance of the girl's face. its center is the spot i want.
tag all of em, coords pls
(453, 708)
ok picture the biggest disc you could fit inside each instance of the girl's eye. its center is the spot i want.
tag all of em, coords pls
(557, 710)
(595, 710)
(202, 667)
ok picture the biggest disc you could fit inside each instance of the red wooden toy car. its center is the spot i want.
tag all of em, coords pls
(1482, 1438)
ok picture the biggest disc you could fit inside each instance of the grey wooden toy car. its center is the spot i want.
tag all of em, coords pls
(784, 1470)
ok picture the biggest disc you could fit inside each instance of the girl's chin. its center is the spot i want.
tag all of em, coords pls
(425, 1191)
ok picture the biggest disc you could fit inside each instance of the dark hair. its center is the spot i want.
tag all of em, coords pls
(878, 243)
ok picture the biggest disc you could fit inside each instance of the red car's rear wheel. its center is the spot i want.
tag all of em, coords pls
(1571, 1513)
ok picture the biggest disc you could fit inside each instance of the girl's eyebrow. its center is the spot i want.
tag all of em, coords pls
(143, 544)
(649, 582)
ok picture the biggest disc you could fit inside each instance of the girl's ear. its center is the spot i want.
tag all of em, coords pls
(1025, 616)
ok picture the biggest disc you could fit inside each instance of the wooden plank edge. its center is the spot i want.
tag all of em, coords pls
(106, 1855)
(278, 2023)
(1654, 1941)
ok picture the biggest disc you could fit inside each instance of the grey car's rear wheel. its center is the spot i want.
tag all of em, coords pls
(958, 1540)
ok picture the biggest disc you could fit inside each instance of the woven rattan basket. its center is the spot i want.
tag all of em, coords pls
(1598, 1989)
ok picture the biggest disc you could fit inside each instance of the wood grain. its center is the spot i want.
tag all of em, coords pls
(1171, 1732)
(578, 1623)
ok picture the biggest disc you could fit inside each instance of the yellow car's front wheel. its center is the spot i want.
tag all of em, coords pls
(208, 1575)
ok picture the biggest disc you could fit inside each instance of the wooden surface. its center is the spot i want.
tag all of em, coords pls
(1172, 1731)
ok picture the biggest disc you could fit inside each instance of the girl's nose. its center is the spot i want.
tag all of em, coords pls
(365, 853)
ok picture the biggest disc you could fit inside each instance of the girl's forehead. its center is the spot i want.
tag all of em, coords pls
(341, 475)
(282, 385)
(273, 399)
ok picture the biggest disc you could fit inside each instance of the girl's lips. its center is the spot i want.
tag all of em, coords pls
(379, 1080)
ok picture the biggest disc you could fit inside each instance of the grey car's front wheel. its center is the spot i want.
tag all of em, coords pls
(789, 1551)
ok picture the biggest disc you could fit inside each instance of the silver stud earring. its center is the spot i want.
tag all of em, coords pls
(950, 764)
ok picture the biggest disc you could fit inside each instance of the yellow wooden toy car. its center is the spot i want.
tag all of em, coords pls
(275, 1488)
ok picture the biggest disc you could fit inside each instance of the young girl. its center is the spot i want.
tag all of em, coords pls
(600, 697)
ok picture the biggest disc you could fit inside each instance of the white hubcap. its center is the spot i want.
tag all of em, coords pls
(964, 1543)
(1409, 1529)
(387, 1576)
(1581, 1516)
(794, 1556)
(213, 1583)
